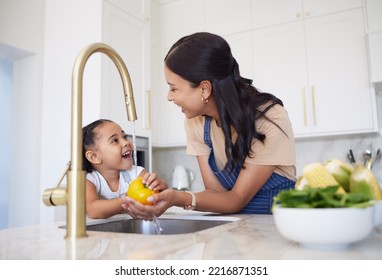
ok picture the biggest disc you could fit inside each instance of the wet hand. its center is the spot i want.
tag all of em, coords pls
(138, 210)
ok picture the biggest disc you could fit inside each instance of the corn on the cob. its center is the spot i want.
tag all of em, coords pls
(301, 183)
(317, 176)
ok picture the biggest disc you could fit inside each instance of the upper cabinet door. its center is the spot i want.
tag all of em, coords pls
(318, 67)
(280, 68)
(374, 15)
(181, 18)
(322, 7)
(137, 8)
(130, 38)
(231, 16)
(272, 12)
(339, 84)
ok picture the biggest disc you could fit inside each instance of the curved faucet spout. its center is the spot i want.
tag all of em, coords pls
(76, 213)
(74, 197)
(77, 78)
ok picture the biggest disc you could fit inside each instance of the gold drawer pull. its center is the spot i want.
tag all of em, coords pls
(304, 104)
(314, 106)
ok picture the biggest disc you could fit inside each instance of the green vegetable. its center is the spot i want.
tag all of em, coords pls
(320, 198)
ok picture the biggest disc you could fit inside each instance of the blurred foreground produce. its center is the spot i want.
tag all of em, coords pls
(327, 197)
(346, 179)
(341, 171)
(362, 180)
(316, 176)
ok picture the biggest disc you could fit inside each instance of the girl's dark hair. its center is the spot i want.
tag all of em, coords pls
(205, 56)
(88, 140)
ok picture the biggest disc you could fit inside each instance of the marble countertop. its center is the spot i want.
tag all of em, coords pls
(251, 237)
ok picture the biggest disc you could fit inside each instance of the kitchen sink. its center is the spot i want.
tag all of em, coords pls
(179, 225)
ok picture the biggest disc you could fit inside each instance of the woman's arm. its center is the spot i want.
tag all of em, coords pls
(215, 198)
(97, 208)
(218, 199)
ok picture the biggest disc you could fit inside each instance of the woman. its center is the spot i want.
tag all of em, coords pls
(242, 138)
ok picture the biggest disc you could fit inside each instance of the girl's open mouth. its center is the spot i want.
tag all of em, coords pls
(126, 155)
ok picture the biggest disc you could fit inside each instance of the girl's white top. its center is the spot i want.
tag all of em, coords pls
(125, 178)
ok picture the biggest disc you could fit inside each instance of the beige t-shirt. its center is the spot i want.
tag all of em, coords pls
(278, 149)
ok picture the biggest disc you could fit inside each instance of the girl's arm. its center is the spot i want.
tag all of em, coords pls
(97, 208)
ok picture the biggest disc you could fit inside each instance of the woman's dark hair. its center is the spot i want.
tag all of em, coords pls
(88, 140)
(205, 56)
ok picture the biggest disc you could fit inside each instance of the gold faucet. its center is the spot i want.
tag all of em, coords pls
(74, 195)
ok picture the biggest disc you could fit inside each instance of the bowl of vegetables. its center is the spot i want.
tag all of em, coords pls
(322, 215)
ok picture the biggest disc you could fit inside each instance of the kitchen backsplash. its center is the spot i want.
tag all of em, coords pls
(307, 150)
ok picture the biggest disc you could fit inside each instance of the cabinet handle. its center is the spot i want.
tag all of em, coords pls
(298, 15)
(314, 106)
(304, 104)
(148, 121)
(307, 14)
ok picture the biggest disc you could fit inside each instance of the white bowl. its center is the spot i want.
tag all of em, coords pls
(378, 213)
(324, 228)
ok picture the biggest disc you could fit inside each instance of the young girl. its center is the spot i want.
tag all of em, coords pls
(107, 159)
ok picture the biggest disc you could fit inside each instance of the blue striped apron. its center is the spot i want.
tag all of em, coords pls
(261, 203)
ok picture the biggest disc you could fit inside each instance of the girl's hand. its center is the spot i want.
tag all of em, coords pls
(154, 182)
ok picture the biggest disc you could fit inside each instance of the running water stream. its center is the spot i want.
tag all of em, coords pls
(155, 220)
(135, 160)
(157, 225)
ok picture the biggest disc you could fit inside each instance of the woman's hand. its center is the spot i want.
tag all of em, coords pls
(162, 201)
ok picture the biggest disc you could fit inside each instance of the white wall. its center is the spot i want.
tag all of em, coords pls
(6, 81)
(21, 43)
(42, 38)
(69, 26)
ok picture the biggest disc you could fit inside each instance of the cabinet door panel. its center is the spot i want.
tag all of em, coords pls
(280, 68)
(181, 18)
(137, 8)
(242, 50)
(375, 46)
(374, 18)
(322, 7)
(129, 37)
(336, 54)
(224, 21)
(271, 12)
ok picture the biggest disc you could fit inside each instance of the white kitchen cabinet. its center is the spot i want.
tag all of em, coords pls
(130, 37)
(318, 67)
(241, 47)
(375, 56)
(177, 19)
(168, 123)
(374, 28)
(231, 16)
(310, 53)
(272, 12)
(180, 18)
(139, 9)
(374, 15)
